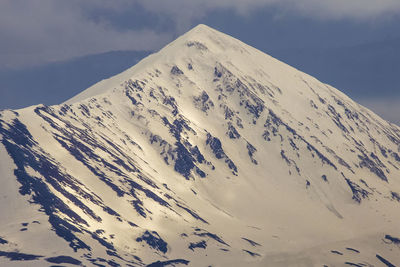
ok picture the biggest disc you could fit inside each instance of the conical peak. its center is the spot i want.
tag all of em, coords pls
(201, 30)
(205, 38)
(201, 43)
(206, 33)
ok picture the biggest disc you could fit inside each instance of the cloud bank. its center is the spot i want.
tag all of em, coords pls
(38, 31)
(322, 9)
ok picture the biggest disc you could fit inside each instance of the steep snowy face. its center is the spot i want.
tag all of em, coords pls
(207, 153)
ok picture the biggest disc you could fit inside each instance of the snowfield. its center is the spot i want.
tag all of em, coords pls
(207, 153)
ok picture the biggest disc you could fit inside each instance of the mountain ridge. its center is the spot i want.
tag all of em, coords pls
(153, 165)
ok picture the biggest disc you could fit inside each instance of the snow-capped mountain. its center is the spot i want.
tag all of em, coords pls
(207, 153)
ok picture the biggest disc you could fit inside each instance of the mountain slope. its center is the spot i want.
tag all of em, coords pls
(207, 153)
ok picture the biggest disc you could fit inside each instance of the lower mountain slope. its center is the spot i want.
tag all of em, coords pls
(207, 153)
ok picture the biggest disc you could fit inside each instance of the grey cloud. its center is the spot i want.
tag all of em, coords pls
(185, 12)
(353, 9)
(325, 9)
(38, 31)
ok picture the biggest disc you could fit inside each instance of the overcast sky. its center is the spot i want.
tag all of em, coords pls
(36, 32)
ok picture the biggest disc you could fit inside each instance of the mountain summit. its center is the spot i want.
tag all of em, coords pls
(207, 153)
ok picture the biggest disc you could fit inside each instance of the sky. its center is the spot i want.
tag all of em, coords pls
(351, 44)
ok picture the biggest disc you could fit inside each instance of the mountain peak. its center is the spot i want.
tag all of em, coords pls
(199, 43)
(201, 28)
(203, 36)
(148, 168)
(201, 31)
(199, 39)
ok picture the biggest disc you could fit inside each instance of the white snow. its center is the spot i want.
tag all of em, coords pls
(269, 203)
